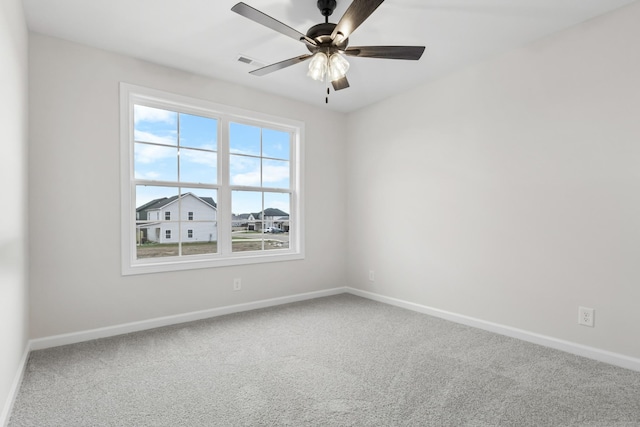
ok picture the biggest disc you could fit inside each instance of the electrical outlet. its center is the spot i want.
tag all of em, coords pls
(237, 284)
(586, 316)
(372, 275)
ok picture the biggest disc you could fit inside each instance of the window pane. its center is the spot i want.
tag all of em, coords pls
(244, 139)
(244, 170)
(275, 173)
(203, 238)
(155, 162)
(277, 238)
(199, 213)
(276, 220)
(152, 201)
(157, 240)
(198, 166)
(275, 144)
(201, 203)
(155, 125)
(198, 132)
(277, 205)
(154, 236)
(246, 202)
(247, 206)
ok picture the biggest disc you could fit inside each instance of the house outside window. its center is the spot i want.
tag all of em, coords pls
(234, 175)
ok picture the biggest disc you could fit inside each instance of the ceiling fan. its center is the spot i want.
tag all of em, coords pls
(328, 42)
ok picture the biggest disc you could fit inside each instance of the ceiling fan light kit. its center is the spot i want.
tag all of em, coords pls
(332, 66)
(328, 42)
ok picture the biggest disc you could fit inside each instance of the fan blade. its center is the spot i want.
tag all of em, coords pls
(264, 19)
(357, 12)
(340, 84)
(280, 65)
(387, 52)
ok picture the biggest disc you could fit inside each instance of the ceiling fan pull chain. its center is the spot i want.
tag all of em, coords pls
(326, 80)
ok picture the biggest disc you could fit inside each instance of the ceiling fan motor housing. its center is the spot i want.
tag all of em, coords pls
(321, 33)
(326, 6)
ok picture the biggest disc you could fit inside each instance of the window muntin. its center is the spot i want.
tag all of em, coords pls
(170, 158)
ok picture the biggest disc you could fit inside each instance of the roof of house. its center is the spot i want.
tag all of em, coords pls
(164, 201)
(274, 212)
(267, 212)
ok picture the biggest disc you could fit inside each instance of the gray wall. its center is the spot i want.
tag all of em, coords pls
(13, 176)
(509, 192)
(74, 166)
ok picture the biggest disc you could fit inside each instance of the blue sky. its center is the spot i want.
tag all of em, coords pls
(158, 142)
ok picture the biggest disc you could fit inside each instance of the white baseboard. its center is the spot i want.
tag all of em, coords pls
(15, 387)
(92, 334)
(567, 346)
(558, 344)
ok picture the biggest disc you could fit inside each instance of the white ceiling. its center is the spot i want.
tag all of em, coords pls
(205, 37)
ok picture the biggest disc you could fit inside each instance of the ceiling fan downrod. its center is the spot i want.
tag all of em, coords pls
(326, 8)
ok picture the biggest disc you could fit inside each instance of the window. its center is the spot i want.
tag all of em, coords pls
(234, 175)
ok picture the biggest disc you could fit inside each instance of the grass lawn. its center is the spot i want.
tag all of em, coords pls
(238, 244)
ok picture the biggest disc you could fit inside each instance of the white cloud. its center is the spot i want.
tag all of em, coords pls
(147, 154)
(249, 178)
(139, 135)
(150, 175)
(148, 114)
(273, 173)
(199, 157)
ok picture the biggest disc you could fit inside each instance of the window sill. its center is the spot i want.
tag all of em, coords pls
(180, 264)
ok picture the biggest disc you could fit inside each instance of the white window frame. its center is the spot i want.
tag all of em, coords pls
(132, 94)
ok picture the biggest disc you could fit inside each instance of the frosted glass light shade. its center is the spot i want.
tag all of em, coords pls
(318, 66)
(338, 66)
